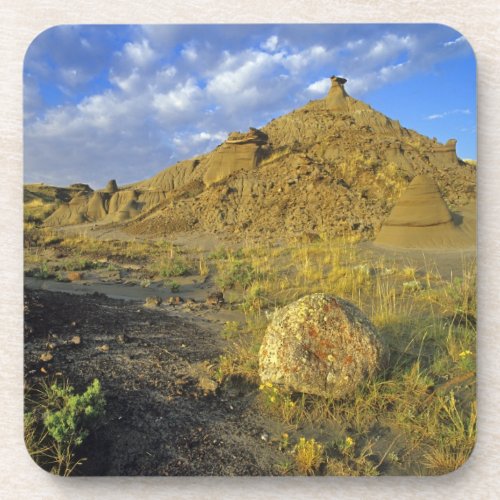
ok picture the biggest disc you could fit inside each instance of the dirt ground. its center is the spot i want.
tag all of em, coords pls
(164, 414)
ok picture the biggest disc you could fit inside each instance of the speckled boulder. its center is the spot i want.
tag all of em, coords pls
(320, 345)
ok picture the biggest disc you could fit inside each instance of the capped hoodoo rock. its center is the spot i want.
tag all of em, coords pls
(337, 98)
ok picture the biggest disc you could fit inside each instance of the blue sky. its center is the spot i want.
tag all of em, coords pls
(124, 102)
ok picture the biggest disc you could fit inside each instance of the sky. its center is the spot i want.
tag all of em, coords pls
(124, 102)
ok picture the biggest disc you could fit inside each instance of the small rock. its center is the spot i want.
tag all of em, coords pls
(207, 385)
(175, 301)
(51, 345)
(46, 357)
(215, 298)
(153, 301)
(74, 275)
(103, 348)
(76, 340)
(122, 338)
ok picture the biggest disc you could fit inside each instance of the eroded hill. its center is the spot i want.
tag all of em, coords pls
(333, 166)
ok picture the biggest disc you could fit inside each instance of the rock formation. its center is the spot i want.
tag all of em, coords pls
(320, 345)
(239, 152)
(333, 166)
(111, 187)
(421, 219)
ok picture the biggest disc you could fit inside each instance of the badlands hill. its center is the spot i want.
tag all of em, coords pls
(333, 166)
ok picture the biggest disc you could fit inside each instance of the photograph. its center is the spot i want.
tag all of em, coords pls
(250, 250)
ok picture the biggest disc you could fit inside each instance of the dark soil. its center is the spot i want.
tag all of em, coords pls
(164, 414)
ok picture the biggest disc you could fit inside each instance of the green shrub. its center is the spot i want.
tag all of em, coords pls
(175, 266)
(43, 272)
(238, 273)
(74, 415)
(57, 421)
(79, 264)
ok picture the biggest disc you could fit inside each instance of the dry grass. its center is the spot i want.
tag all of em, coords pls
(308, 455)
(423, 398)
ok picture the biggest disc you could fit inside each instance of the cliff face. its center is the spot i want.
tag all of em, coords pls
(334, 165)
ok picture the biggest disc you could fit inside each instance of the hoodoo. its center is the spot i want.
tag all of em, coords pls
(421, 219)
(111, 187)
(337, 98)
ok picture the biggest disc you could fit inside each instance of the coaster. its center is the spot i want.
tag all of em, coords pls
(250, 250)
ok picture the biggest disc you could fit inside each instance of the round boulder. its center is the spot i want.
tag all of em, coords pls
(320, 345)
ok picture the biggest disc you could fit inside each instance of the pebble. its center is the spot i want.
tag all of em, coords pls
(46, 357)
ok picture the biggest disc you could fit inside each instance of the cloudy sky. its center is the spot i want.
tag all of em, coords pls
(124, 102)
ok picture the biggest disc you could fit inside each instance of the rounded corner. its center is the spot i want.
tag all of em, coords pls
(30, 456)
(460, 35)
(37, 38)
(463, 465)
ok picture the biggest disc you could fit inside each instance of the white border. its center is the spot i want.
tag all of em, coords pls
(20, 23)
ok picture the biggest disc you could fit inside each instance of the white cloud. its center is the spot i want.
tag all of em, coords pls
(189, 53)
(183, 98)
(356, 44)
(299, 61)
(270, 44)
(247, 74)
(438, 116)
(31, 97)
(460, 39)
(140, 53)
(370, 80)
(207, 136)
(319, 86)
(128, 83)
(85, 43)
(387, 47)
